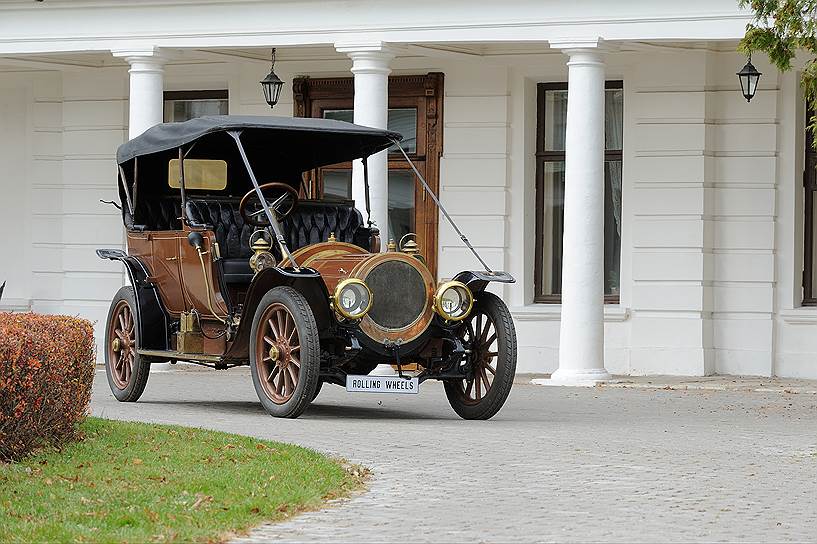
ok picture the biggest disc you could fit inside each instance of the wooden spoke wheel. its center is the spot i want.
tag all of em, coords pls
(278, 347)
(284, 352)
(480, 335)
(488, 333)
(126, 370)
(123, 344)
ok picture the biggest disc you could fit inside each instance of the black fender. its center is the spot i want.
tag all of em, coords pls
(478, 280)
(306, 281)
(151, 318)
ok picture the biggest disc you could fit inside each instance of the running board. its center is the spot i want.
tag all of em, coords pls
(178, 355)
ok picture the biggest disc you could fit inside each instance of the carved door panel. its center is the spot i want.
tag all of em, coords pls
(165, 269)
(193, 280)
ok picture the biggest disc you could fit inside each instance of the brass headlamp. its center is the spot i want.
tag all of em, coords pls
(453, 301)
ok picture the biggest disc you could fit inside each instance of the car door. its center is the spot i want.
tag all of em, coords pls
(197, 281)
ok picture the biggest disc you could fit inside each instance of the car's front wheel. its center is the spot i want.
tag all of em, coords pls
(284, 353)
(489, 335)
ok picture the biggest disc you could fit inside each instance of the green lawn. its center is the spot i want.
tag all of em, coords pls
(133, 482)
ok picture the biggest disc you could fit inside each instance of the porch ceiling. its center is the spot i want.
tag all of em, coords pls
(496, 51)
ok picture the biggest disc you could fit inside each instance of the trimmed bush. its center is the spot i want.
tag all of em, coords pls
(46, 373)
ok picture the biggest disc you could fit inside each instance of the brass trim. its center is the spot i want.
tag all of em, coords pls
(336, 295)
(442, 289)
(323, 250)
(417, 327)
(116, 345)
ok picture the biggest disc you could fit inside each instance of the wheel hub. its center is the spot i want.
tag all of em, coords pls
(274, 353)
(116, 345)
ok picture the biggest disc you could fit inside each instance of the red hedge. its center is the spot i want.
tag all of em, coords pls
(46, 373)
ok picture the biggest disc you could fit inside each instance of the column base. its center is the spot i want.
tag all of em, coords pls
(575, 378)
(383, 370)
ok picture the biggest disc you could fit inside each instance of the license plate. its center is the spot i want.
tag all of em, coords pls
(382, 384)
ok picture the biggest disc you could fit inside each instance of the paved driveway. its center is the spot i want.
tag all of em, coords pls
(554, 464)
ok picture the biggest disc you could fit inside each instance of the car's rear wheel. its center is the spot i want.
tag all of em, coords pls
(285, 353)
(490, 336)
(127, 371)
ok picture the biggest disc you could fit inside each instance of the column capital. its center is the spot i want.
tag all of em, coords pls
(368, 58)
(142, 57)
(351, 48)
(570, 45)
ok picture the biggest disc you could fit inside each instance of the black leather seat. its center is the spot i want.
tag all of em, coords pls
(309, 223)
(154, 214)
(314, 221)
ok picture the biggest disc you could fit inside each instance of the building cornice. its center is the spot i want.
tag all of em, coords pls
(40, 27)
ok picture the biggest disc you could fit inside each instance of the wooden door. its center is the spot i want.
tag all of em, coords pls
(415, 110)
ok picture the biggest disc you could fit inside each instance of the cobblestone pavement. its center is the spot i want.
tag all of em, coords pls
(564, 464)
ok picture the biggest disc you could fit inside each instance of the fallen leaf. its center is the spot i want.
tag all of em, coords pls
(137, 461)
(201, 499)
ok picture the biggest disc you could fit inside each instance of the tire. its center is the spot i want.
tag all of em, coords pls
(491, 324)
(127, 371)
(284, 353)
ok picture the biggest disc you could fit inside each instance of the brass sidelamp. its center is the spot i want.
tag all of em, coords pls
(262, 257)
(408, 245)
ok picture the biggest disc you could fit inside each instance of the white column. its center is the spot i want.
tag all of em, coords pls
(581, 338)
(370, 66)
(145, 105)
(146, 99)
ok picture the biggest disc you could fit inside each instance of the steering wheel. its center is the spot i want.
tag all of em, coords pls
(275, 196)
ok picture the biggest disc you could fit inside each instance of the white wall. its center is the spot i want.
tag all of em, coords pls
(15, 192)
(795, 339)
(712, 206)
(699, 215)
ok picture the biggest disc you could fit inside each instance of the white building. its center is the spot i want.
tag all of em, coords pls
(704, 214)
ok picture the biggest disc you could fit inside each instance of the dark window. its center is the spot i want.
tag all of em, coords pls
(550, 185)
(809, 238)
(185, 105)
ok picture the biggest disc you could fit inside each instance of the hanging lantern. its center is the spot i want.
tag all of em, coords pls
(749, 78)
(272, 84)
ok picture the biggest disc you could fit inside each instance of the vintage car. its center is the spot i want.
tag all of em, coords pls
(229, 267)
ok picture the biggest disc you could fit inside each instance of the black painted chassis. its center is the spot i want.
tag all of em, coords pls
(343, 344)
(451, 363)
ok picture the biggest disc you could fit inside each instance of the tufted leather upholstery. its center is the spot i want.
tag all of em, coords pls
(155, 214)
(222, 217)
(311, 222)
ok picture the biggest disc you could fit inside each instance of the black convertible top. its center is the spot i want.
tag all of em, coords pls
(278, 148)
(350, 140)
